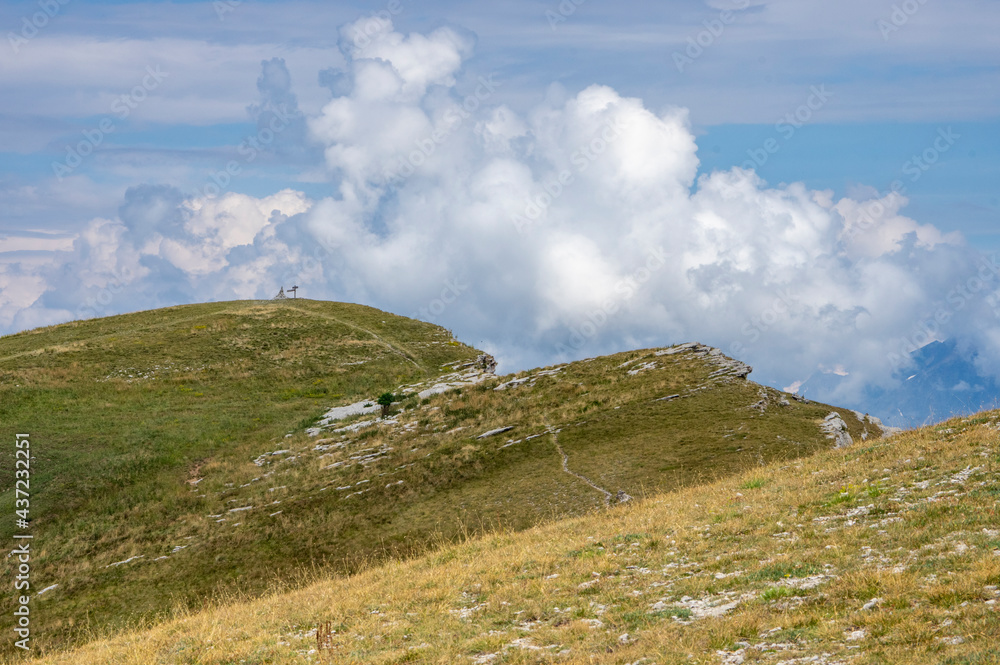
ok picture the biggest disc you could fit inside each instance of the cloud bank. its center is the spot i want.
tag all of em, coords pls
(575, 229)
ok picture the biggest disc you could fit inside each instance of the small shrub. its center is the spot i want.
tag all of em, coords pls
(385, 400)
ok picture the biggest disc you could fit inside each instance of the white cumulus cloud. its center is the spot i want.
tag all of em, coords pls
(574, 229)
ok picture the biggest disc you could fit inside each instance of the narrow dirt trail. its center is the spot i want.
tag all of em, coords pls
(565, 465)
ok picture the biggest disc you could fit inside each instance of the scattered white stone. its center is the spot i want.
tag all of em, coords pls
(859, 511)
(676, 349)
(262, 459)
(513, 383)
(642, 368)
(702, 608)
(456, 380)
(341, 412)
(961, 477)
(732, 657)
(467, 612)
(493, 432)
(524, 643)
(872, 604)
(354, 427)
(961, 548)
(804, 583)
(722, 576)
(128, 560)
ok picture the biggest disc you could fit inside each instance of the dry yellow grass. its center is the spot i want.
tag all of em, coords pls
(885, 553)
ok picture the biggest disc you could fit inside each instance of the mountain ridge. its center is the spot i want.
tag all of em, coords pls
(203, 427)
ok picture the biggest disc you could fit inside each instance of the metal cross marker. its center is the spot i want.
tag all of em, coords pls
(293, 290)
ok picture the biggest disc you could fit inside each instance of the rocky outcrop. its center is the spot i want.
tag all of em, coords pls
(835, 428)
(725, 366)
(467, 373)
(487, 363)
(494, 432)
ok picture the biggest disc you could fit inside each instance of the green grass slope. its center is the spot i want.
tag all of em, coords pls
(123, 411)
(182, 453)
(881, 553)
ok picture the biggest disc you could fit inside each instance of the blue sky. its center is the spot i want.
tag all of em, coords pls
(844, 98)
(890, 94)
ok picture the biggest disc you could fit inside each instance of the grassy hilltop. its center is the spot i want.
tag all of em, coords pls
(187, 456)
